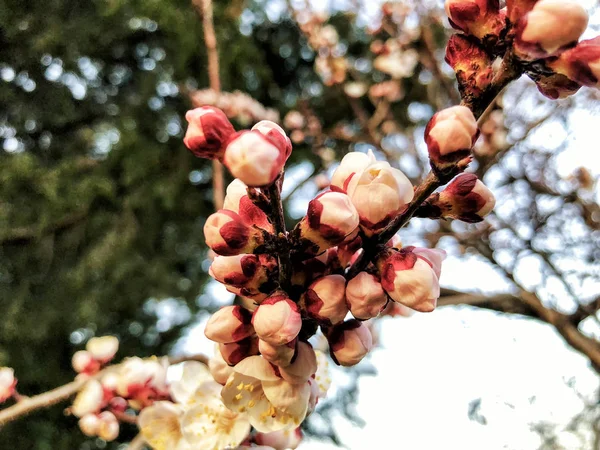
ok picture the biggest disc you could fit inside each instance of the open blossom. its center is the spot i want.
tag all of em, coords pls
(378, 194)
(108, 426)
(277, 320)
(349, 342)
(331, 219)
(450, 135)
(90, 399)
(142, 381)
(251, 274)
(466, 198)
(234, 352)
(160, 424)
(271, 403)
(253, 158)
(580, 63)
(303, 366)
(229, 324)
(479, 18)
(411, 278)
(7, 383)
(193, 375)
(208, 131)
(227, 234)
(280, 440)
(365, 296)
(280, 355)
(550, 27)
(276, 135)
(325, 299)
(238, 201)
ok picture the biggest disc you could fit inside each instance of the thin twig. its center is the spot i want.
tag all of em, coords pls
(276, 214)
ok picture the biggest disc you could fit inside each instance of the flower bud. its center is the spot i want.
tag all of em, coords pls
(325, 299)
(276, 135)
(219, 369)
(352, 165)
(227, 234)
(142, 380)
(409, 279)
(518, 8)
(238, 201)
(280, 440)
(556, 86)
(581, 63)
(208, 131)
(235, 352)
(549, 28)
(83, 362)
(349, 342)
(229, 324)
(108, 427)
(450, 135)
(303, 365)
(378, 195)
(365, 296)
(90, 399)
(479, 18)
(280, 355)
(330, 220)
(253, 158)
(89, 424)
(277, 320)
(103, 349)
(7, 383)
(250, 274)
(471, 64)
(466, 198)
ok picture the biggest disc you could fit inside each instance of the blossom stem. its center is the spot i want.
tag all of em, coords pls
(276, 215)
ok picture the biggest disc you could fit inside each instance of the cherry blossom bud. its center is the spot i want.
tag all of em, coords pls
(378, 195)
(331, 219)
(276, 135)
(556, 86)
(408, 279)
(238, 201)
(365, 296)
(518, 8)
(450, 135)
(349, 342)
(227, 234)
(480, 18)
(110, 381)
(302, 367)
(432, 256)
(108, 427)
(208, 131)
(325, 299)
(466, 198)
(277, 320)
(117, 404)
(7, 383)
(549, 28)
(581, 63)
(280, 355)
(90, 399)
(249, 274)
(219, 369)
(89, 424)
(229, 324)
(235, 352)
(142, 380)
(253, 158)
(103, 349)
(83, 362)
(352, 165)
(280, 440)
(471, 64)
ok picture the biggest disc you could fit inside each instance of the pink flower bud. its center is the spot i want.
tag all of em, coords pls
(408, 279)
(518, 8)
(252, 157)
(89, 424)
(432, 256)
(219, 369)
(549, 28)
(276, 135)
(103, 348)
(365, 296)
(280, 355)
(280, 440)
(229, 324)
(235, 352)
(349, 342)
(450, 135)
(303, 366)
(312, 268)
(7, 383)
(480, 18)
(352, 165)
(378, 195)
(277, 320)
(208, 131)
(325, 299)
(108, 427)
(581, 63)
(250, 275)
(90, 399)
(466, 198)
(330, 220)
(227, 234)
(83, 362)
(237, 200)
(471, 63)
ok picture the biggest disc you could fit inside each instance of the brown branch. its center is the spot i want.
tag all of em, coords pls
(278, 219)
(505, 303)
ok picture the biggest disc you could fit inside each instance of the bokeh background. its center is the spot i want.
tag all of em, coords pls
(102, 210)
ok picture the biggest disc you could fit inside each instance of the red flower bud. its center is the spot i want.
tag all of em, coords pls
(229, 324)
(277, 320)
(365, 296)
(471, 63)
(208, 131)
(466, 198)
(238, 201)
(581, 63)
(235, 352)
(349, 342)
(515, 9)
(251, 274)
(479, 18)
(276, 135)
(227, 234)
(325, 299)
(280, 355)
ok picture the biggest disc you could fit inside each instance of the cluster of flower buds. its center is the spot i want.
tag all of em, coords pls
(236, 105)
(8, 383)
(540, 36)
(98, 352)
